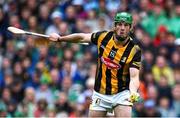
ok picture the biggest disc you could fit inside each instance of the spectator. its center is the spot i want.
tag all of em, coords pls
(56, 19)
(169, 43)
(177, 75)
(163, 86)
(29, 101)
(87, 93)
(62, 104)
(43, 91)
(139, 110)
(102, 7)
(79, 7)
(70, 15)
(102, 23)
(150, 109)
(6, 95)
(163, 51)
(12, 7)
(153, 93)
(148, 60)
(79, 111)
(174, 21)
(17, 90)
(175, 60)
(80, 25)
(149, 79)
(160, 36)
(35, 82)
(161, 68)
(32, 5)
(169, 8)
(8, 80)
(14, 21)
(68, 56)
(6, 66)
(18, 71)
(66, 84)
(3, 23)
(145, 7)
(41, 109)
(32, 25)
(3, 111)
(55, 84)
(92, 21)
(12, 109)
(25, 15)
(44, 18)
(51, 111)
(80, 72)
(63, 28)
(164, 108)
(176, 99)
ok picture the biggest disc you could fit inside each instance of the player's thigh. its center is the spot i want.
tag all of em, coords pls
(96, 113)
(123, 111)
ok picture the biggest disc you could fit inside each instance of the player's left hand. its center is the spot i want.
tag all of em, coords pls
(54, 37)
(134, 97)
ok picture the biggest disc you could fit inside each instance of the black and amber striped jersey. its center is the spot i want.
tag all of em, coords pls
(112, 74)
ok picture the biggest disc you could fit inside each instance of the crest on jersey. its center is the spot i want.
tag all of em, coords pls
(123, 59)
(112, 53)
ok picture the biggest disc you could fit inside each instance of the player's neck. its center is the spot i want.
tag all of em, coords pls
(121, 43)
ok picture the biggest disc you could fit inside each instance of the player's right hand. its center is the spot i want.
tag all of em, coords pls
(54, 37)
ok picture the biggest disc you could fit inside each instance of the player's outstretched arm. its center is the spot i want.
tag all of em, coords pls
(74, 38)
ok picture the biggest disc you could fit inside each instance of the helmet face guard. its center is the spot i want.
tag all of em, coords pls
(123, 17)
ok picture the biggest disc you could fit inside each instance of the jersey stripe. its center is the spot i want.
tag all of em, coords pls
(122, 63)
(107, 44)
(114, 80)
(103, 43)
(101, 38)
(108, 71)
(102, 88)
(126, 66)
(98, 74)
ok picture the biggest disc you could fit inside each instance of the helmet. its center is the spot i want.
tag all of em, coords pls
(123, 16)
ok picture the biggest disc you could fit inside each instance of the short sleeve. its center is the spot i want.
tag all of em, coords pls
(136, 61)
(95, 36)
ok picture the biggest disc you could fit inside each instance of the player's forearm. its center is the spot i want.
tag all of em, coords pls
(77, 37)
(134, 80)
(134, 84)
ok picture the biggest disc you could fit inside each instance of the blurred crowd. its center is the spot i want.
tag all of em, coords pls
(50, 79)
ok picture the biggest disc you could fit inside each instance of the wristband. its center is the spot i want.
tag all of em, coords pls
(58, 39)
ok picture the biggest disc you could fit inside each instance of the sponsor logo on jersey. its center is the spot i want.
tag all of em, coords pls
(110, 64)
